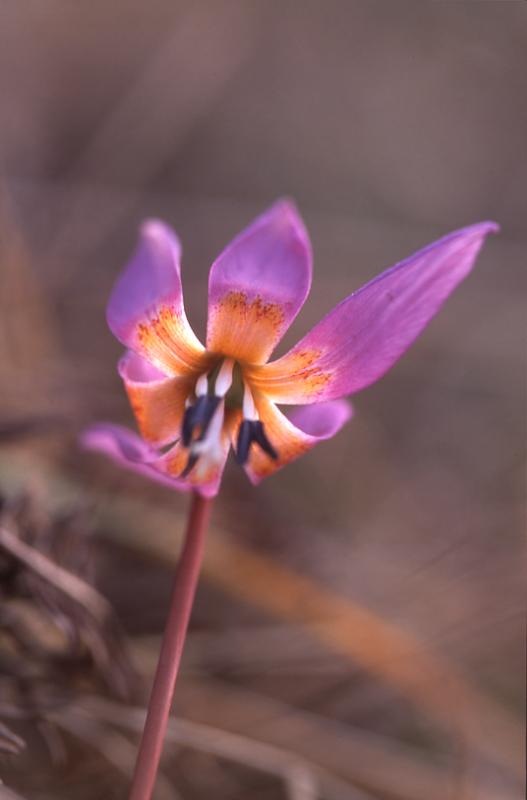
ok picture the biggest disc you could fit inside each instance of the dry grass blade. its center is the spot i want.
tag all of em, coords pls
(9, 741)
(348, 628)
(344, 626)
(301, 777)
(9, 794)
(114, 747)
(66, 582)
(51, 613)
(376, 644)
(339, 750)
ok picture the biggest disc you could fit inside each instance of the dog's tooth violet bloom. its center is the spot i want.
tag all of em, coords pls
(193, 402)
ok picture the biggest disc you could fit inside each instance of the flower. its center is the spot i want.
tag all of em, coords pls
(192, 403)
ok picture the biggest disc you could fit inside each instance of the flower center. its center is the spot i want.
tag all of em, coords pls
(203, 421)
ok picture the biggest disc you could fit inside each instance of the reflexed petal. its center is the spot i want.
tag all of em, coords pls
(146, 312)
(295, 436)
(206, 475)
(128, 450)
(158, 402)
(258, 285)
(370, 330)
(322, 420)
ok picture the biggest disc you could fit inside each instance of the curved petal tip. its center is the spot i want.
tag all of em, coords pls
(117, 442)
(482, 228)
(322, 420)
(159, 234)
(295, 435)
(128, 450)
(258, 284)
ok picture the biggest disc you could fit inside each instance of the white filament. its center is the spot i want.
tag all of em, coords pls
(224, 379)
(248, 409)
(210, 449)
(202, 386)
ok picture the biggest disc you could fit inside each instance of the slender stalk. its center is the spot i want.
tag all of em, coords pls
(181, 602)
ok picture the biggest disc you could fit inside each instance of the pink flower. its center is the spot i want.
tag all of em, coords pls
(192, 403)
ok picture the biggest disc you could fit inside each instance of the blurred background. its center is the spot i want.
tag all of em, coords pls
(358, 630)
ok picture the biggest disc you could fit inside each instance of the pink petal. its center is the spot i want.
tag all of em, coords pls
(371, 329)
(128, 450)
(258, 285)
(134, 367)
(322, 420)
(293, 437)
(158, 402)
(146, 311)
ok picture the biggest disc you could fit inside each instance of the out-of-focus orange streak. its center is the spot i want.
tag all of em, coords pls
(377, 645)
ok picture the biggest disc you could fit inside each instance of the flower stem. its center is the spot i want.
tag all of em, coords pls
(181, 602)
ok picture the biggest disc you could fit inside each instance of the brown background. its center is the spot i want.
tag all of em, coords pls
(390, 123)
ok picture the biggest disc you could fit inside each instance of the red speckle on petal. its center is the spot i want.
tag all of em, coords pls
(243, 328)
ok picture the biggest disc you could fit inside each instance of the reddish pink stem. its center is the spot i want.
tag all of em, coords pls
(171, 649)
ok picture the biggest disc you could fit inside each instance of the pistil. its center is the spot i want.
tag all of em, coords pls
(224, 379)
(206, 416)
(207, 449)
(198, 415)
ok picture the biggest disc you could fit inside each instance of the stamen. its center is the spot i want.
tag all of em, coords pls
(202, 386)
(206, 415)
(211, 441)
(252, 430)
(248, 409)
(207, 449)
(260, 437)
(243, 444)
(224, 379)
(191, 463)
(198, 415)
